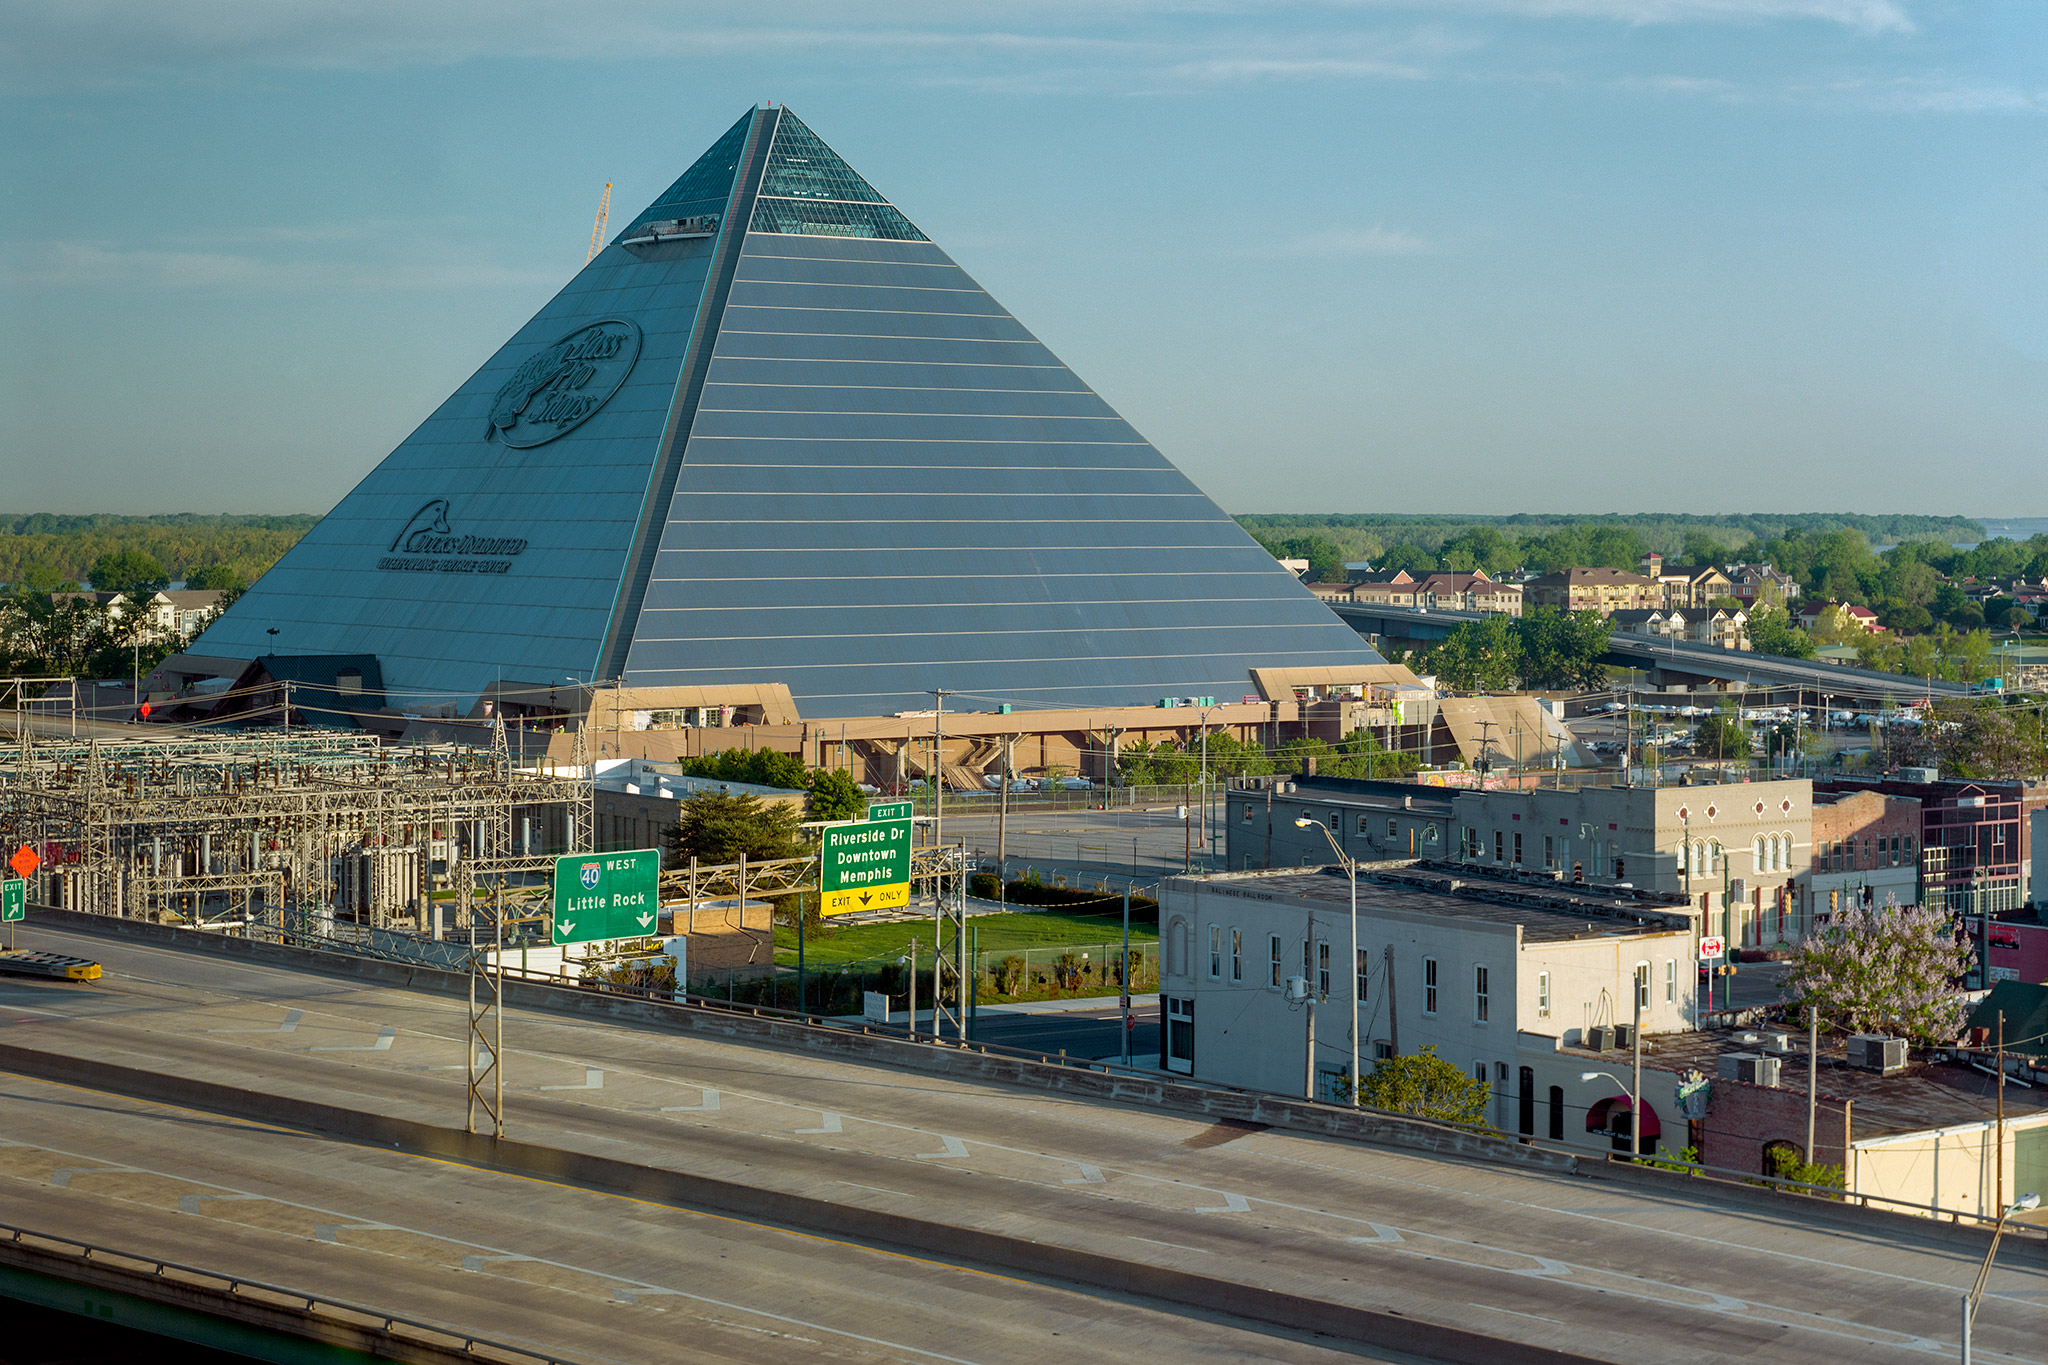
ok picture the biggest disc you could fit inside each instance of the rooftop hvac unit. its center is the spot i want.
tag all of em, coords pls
(1624, 1035)
(1875, 1052)
(1750, 1068)
(1778, 1042)
(1600, 1038)
(1919, 774)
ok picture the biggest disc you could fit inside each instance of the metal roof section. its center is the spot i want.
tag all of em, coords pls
(773, 434)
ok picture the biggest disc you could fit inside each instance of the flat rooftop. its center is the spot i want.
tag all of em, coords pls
(1927, 1094)
(1547, 911)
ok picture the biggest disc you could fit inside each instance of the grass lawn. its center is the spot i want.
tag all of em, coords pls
(875, 944)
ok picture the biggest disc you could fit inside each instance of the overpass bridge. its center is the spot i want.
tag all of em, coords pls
(1680, 663)
(735, 1188)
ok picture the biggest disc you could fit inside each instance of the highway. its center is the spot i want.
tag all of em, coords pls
(1602, 1269)
(1636, 651)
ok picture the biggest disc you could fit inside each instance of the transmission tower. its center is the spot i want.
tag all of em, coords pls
(604, 214)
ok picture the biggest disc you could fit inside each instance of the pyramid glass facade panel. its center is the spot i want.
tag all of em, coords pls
(806, 449)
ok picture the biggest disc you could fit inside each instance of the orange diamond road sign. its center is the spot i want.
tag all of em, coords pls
(24, 861)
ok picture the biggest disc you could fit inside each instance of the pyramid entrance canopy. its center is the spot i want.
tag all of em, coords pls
(773, 434)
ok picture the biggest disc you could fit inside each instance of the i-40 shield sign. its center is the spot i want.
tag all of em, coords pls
(607, 895)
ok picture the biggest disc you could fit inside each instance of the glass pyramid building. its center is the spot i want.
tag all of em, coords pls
(773, 434)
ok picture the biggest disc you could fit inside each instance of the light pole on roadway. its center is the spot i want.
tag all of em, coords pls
(1351, 869)
(2026, 1203)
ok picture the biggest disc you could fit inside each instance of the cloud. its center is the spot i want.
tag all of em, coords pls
(1372, 241)
(81, 265)
(1868, 16)
(1703, 86)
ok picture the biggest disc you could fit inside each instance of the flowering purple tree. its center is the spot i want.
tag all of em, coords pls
(1885, 969)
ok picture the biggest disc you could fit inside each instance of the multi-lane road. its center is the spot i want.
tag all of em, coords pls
(1602, 1269)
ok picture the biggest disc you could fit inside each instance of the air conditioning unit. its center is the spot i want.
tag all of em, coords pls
(1919, 774)
(1624, 1036)
(1749, 1068)
(1875, 1052)
(1600, 1038)
(1779, 1042)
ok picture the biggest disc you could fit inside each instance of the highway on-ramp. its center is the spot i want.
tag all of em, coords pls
(1601, 1269)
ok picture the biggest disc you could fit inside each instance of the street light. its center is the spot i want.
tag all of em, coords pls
(1351, 869)
(2026, 1203)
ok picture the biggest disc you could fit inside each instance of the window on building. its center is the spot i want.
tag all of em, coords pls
(1895, 850)
(1382, 1049)
(1429, 985)
(1273, 948)
(1549, 853)
(1557, 1113)
(1526, 1110)
(1480, 994)
(1499, 847)
(1247, 817)
(1620, 870)
(1237, 954)
(1362, 827)
(1393, 829)
(1323, 970)
(1714, 857)
(1543, 995)
(1470, 848)
(1643, 984)
(1215, 951)
(1518, 848)
(1757, 855)
(1364, 974)
(1429, 835)
(1912, 856)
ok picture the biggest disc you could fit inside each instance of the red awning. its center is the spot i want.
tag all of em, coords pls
(1601, 1116)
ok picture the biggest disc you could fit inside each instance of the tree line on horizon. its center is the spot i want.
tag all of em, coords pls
(200, 549)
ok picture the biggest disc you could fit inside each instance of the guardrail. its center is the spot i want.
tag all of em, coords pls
(294, 1300)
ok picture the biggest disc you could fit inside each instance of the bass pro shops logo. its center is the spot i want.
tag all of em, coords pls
(562, 385)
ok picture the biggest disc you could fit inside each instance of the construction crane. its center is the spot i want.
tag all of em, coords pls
(604, 213)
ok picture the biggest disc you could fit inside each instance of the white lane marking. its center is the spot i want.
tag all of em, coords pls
(707, 1102)
(290, 1025)
(876, 1188)
(1380, 1233)
(593, 1079)
(763, 1331)
(385, 1036)
(331, 1232)
(830, 1121)
(61, 1177)
(39, 1013)
(1232, 1203)
(954, 1147)
(477, 1263)
(1515, 1311)
(1175, 1245)
(476, 1062)
(1090, 1175)
(189, 1203)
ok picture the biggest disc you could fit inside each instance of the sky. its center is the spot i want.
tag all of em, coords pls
(1480, 256)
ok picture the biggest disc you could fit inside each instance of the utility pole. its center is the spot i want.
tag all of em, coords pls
(1308, 983)
(1125, 972)
(2001, 1109)
(1639, 985)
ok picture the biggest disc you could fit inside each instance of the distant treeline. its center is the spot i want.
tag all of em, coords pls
(183, 542)
(1371, 536)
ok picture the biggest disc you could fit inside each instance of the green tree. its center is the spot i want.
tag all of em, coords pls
(1479, 656)
(217, 577)
(1701, 548)
(835, 795)
(720, 827)
(760, 767)
(1722, 736)
(1771, 632)
(128, 571)
(1561, 650)
(1426, 1086)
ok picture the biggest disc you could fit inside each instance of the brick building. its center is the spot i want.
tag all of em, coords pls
(1866, 846)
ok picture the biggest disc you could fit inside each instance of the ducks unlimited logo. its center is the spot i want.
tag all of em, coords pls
(562, 385)
(429, 544)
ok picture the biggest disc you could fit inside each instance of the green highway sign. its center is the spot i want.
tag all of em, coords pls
(607, 895)
(891, 810)
(864, 865)
(13, 900)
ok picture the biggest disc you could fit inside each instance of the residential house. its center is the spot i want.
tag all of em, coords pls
(1655, 622)
(1718, 627)
(1603, 590)
(1386, 588)
(1760, 585)
(1838, 616)
(1692, 585)
(1469, 592)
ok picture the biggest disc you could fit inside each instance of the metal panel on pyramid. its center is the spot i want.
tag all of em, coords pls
(773, 434)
